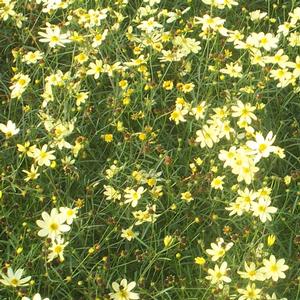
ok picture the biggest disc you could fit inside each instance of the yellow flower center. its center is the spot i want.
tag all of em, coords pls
(262, 148)
(247, 199)
(274, 268)
(43, 154)
(263, 41)
(261, 208)
(70, 212)
(281, 73)
(246, 170)
(217, 181)
(21, 82)
(245, 112)
(277, 57)
(58, 249)
(123, 294)
(98, 69)
(175, 115)
(230, 155)
(135, 196)
(54, 39)
(8, 134)
(54, 226)
(14, 281)
(251, 294)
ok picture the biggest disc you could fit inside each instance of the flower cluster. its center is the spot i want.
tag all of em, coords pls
(53, 226)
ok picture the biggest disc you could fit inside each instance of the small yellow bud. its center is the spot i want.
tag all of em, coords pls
(173, 206)
(91, 250)
(187, 197)
(19, 250)
(287, 179)
(214, 169)
(215, 217)
(199, 260)
(197, 220)
(271, 240)
(168, 240)
(234, 188)
(151, 182)
(126, 100)
(198, 161)
(142, 136)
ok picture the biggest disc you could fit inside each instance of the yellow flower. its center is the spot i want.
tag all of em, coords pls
(188, 87)
(233, 70)
(187, 196)
(218, 250)
(198, 161)
(54, 37)
(95, 68)
(42, 156)
(274, 268)
(251, 272)
(218, 275)
(123, 84)
(199, 260)
(151, 181)
(81, 98)
(69, 213)
(123, 291)
(57, 250)
(81, 58)
(32, 57)
(207, 136)
(142, 136)
(250, 293)
(168, 85)
(52, 225)
(108, 138)
(128, 233)
(26, 149)
(199, 110)
(217, 183)
(9, 129)
(14, 279)
(133, 196)
(32, 174)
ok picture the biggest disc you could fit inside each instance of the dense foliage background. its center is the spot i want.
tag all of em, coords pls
(119, 130)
